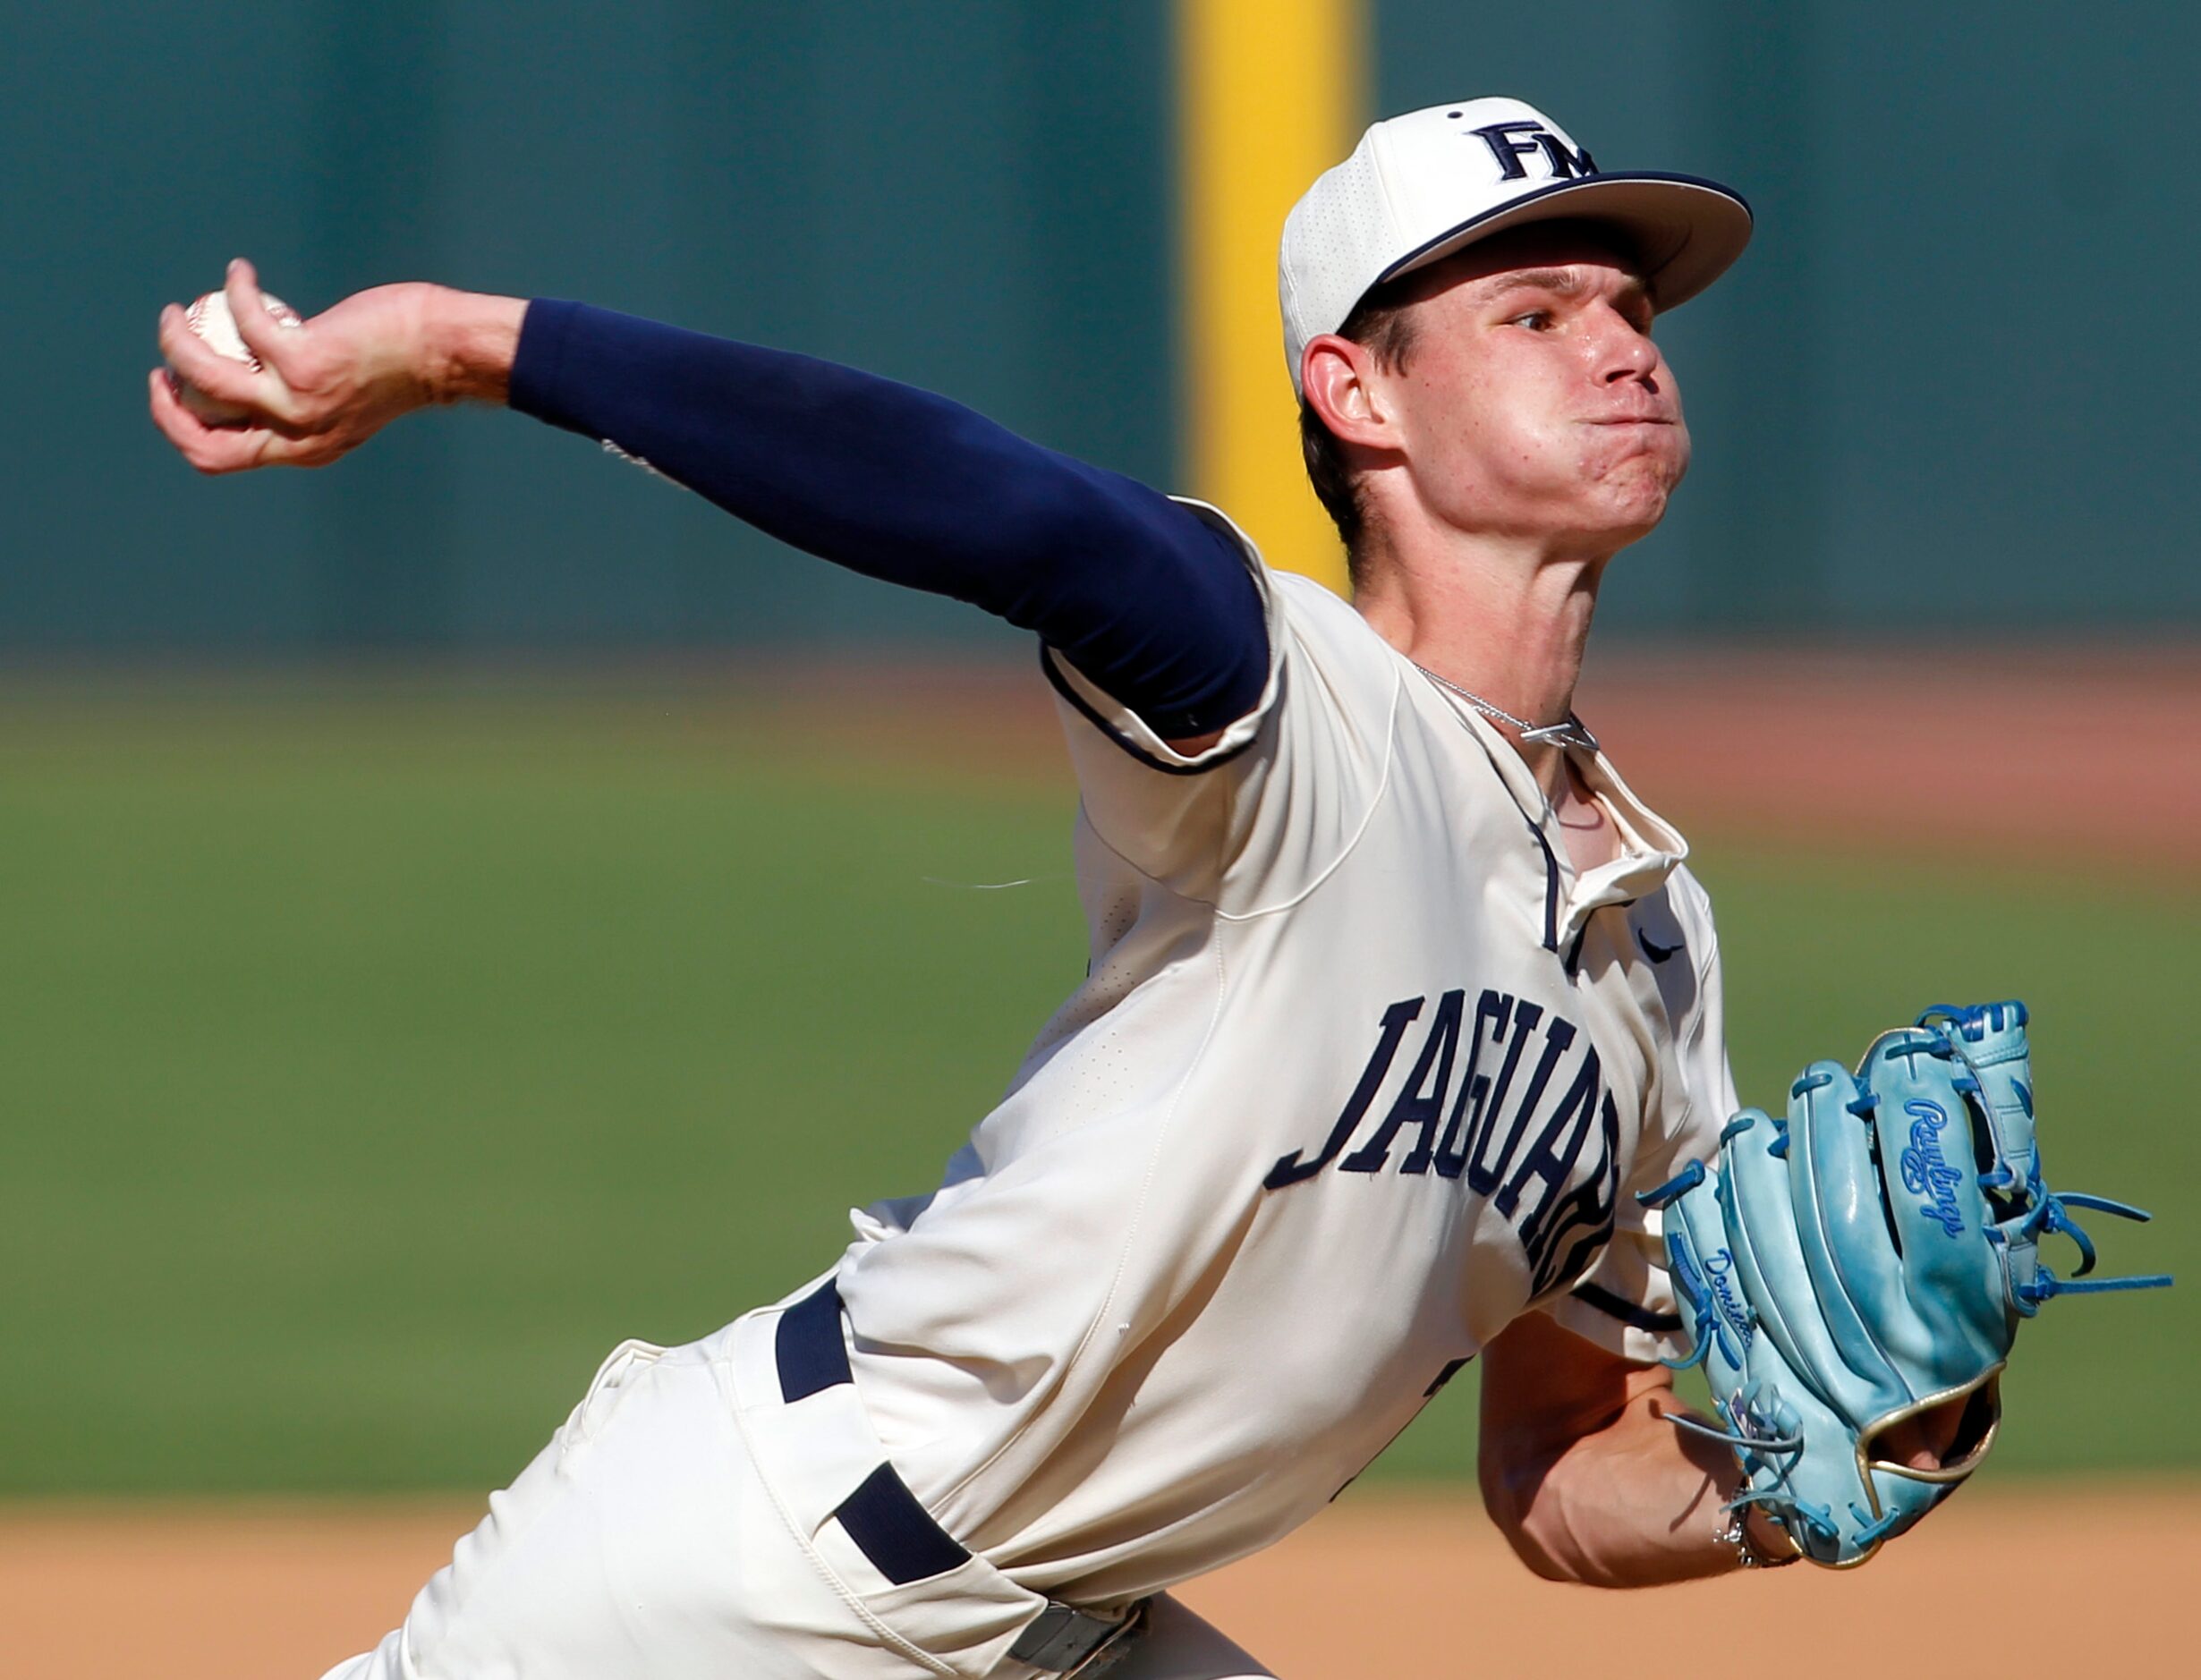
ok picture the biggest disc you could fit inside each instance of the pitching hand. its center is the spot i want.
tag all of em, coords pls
(326, 386)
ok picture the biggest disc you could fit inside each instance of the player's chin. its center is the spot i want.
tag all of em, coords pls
(1631, 500)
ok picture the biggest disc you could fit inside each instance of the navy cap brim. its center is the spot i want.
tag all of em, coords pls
(1686, 231)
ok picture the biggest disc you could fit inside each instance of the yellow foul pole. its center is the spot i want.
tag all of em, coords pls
(1270, 95)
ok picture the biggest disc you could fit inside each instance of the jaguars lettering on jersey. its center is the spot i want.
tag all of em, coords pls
(1512, 1136)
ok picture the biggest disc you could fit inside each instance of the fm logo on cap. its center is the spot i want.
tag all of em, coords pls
(1509, 143)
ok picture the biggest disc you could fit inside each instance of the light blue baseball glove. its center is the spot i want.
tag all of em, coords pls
(1868, 1260)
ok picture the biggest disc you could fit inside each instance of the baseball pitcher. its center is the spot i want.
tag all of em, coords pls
(1401, 1044)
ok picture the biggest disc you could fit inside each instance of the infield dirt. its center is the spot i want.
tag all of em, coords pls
(1386, 1585)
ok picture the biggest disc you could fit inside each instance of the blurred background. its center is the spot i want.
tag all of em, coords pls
(1943, 385)
(478, 903)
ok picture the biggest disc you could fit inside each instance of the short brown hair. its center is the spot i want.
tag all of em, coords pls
(1381, 322)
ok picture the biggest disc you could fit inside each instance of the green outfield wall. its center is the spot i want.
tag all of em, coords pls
(1948, 387)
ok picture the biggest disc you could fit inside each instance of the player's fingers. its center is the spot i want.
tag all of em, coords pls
(210, 449)
(177, 423)
(266, 334)
(274, 449)
(259, 393)
(208, 368)
(217, 449)
(162, 405)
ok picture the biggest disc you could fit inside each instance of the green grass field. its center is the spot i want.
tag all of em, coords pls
(373, 1064)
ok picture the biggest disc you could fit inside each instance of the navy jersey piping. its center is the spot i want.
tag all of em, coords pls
(1550, 885)
(1061, 685)
(1620, 1307)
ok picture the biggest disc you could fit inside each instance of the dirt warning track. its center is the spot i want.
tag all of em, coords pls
(2061, 755)
(1385, 1585)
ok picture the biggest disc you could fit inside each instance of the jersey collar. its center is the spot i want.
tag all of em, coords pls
(1651, 847)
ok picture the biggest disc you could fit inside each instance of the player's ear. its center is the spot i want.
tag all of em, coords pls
(1339, 379)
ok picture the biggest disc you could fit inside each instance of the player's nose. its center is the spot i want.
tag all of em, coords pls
(1623, 351)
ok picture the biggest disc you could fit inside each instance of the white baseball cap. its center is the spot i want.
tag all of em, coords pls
(1419, 187)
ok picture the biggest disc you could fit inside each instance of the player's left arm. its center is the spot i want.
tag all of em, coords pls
(1585, 1476)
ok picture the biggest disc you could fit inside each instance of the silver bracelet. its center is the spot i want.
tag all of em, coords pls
(1735, 1534)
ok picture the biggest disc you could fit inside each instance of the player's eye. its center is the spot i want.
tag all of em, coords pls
(1535, 320)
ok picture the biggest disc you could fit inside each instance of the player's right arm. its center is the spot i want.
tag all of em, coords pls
(1146, 599)
(1585, 1476)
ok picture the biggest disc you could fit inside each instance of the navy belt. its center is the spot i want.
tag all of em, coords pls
(897, 1533)
(882, 1517)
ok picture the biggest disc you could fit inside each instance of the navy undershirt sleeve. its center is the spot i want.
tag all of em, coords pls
(1143, 596)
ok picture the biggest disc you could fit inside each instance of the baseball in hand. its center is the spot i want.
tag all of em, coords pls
(210, 318)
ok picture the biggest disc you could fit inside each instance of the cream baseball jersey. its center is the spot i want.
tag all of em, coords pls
(1362, 1070)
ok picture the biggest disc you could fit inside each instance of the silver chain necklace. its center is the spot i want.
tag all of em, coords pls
(1570, 731)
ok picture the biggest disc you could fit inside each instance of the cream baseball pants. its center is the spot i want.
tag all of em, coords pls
(680, 1526)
